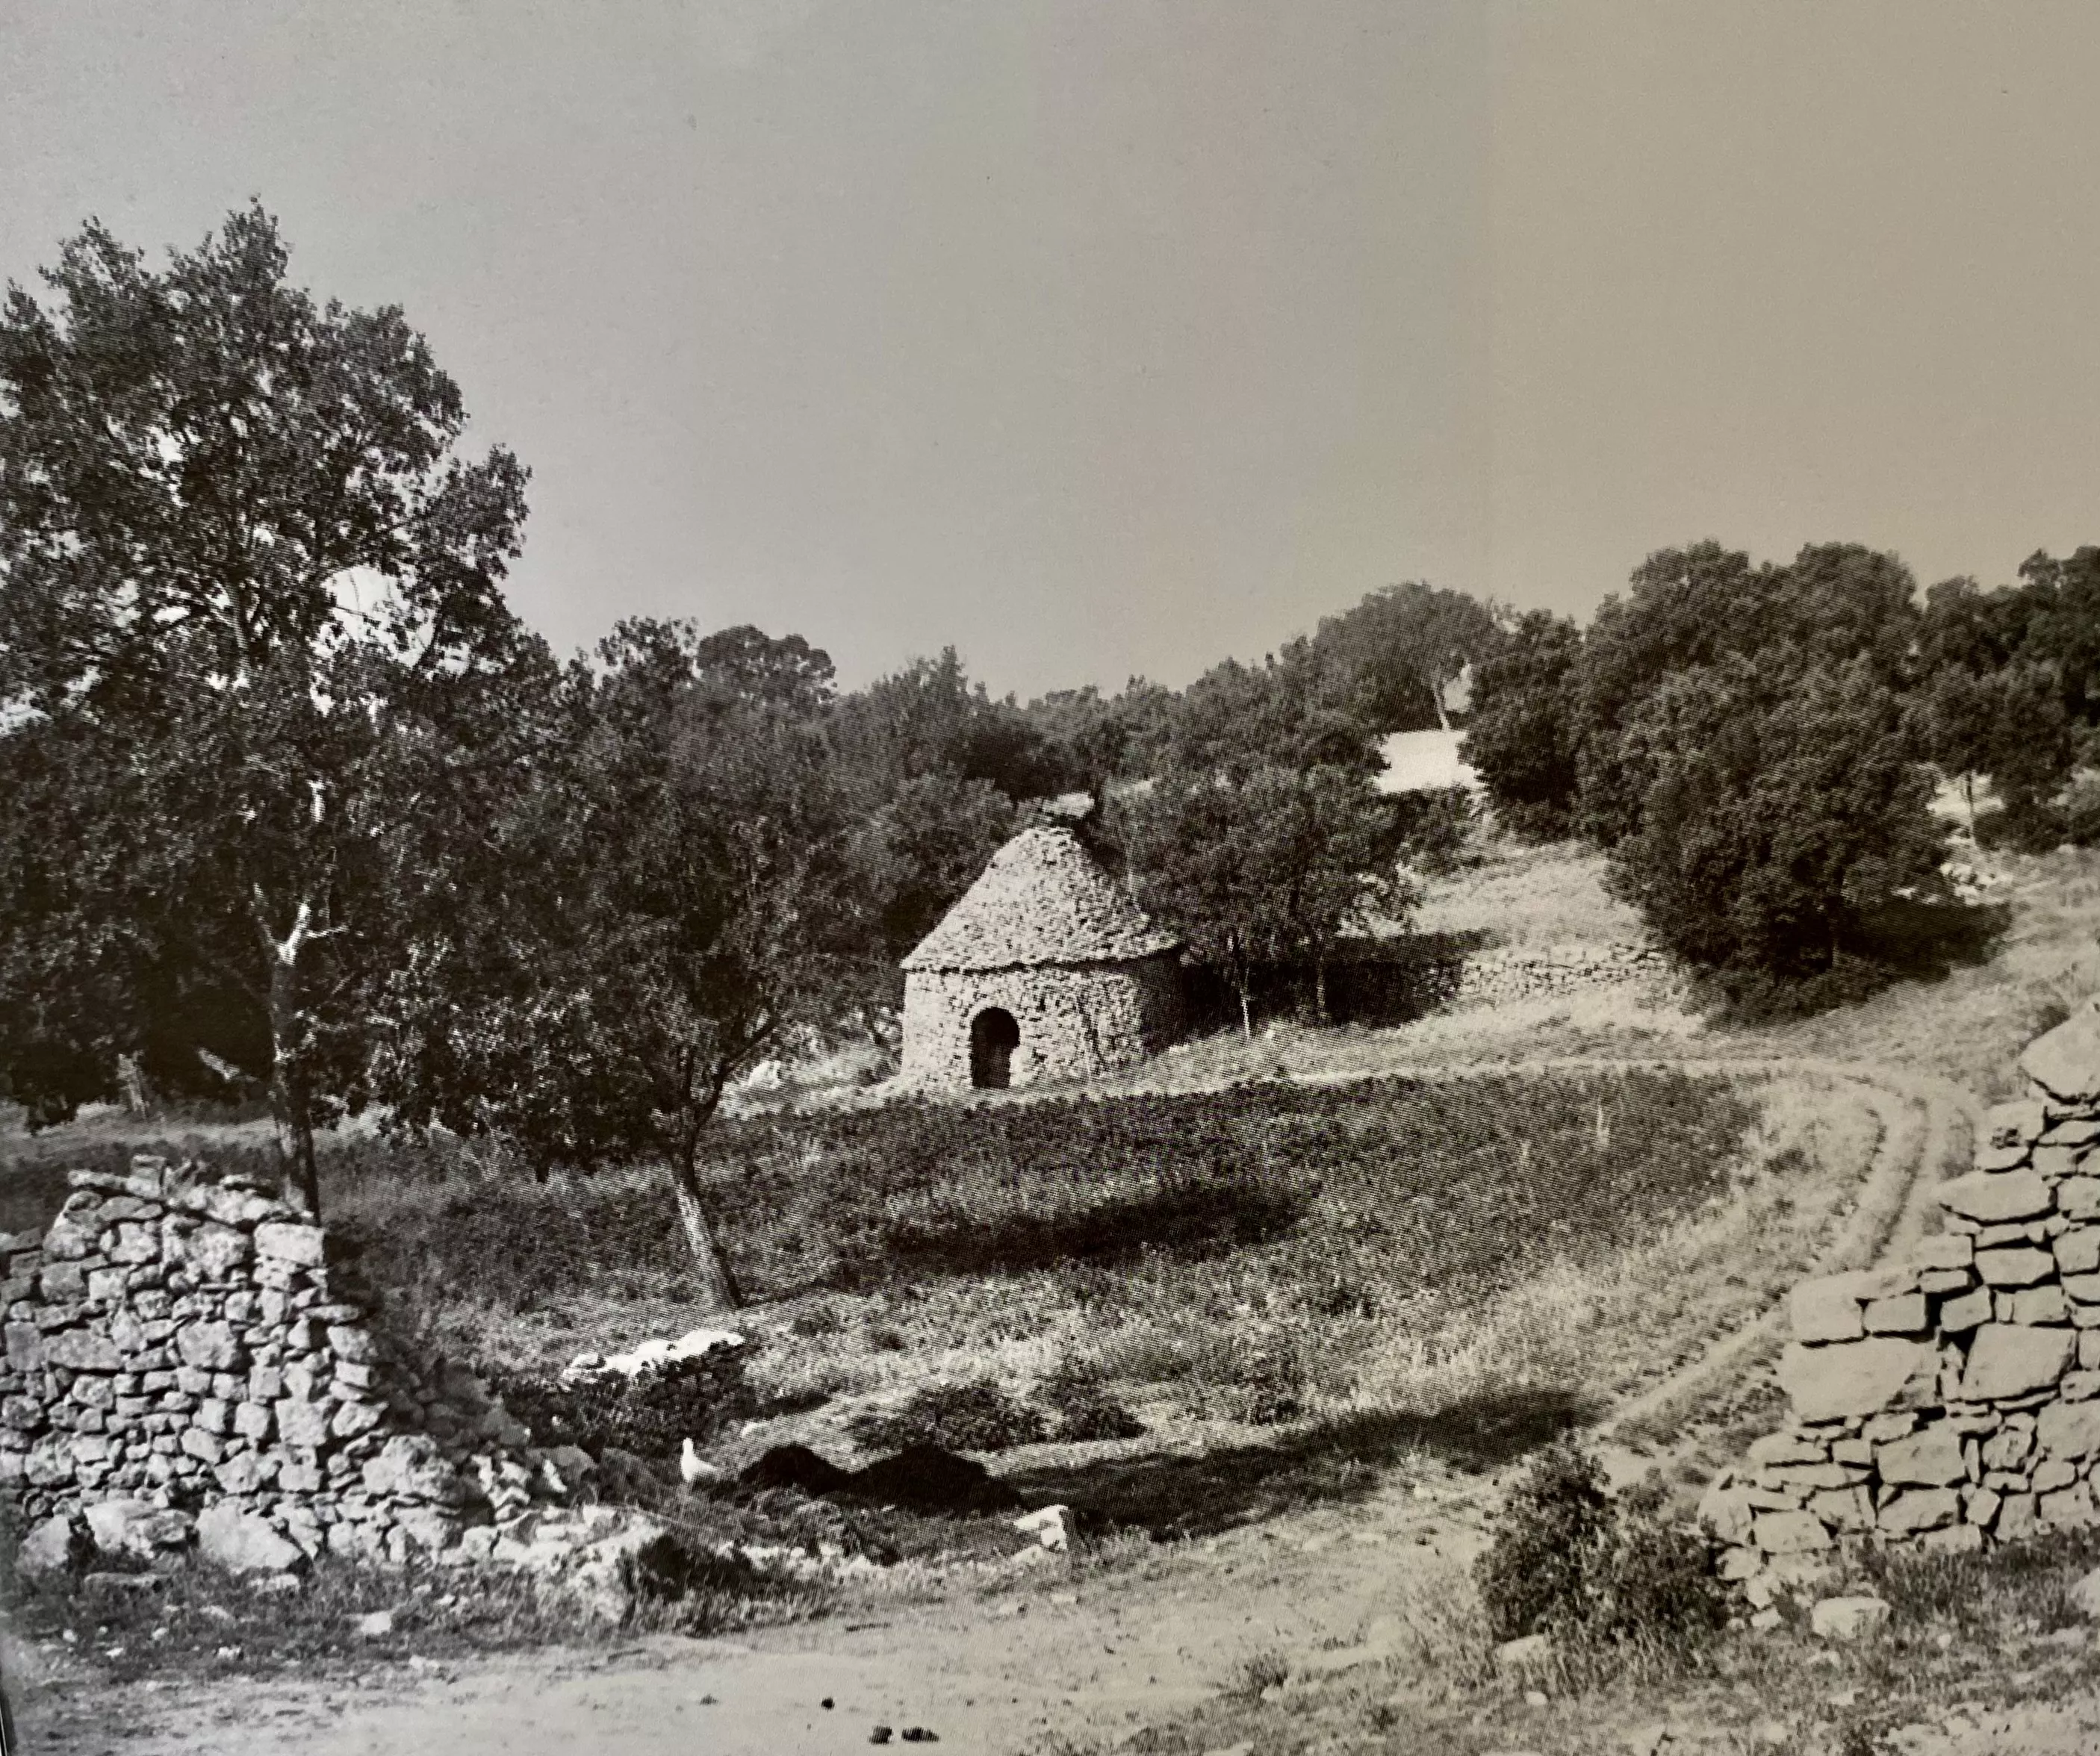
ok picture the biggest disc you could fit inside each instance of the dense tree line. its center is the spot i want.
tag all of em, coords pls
(1751, 742)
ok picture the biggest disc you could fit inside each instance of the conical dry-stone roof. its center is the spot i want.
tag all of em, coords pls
(1044, 899)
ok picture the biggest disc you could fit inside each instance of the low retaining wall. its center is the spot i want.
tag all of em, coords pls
(1528, 974)
(1953, 1401)
(185, 1361)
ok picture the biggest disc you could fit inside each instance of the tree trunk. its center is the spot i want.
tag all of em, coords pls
(291, 1113)
(1246, 1012)
(1319, 985)
(719, 1284)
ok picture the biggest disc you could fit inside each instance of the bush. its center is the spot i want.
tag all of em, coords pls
(1535, 1576)
(1086, 1408)
(1569, 1561)
(2025, 824)
(972, 1417)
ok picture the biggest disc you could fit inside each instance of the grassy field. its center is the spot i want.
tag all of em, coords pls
(1374, 1256)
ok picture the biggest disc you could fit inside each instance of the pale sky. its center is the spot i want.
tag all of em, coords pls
(1113, 337)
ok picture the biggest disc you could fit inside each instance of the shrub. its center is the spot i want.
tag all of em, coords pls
(1078, 1394)
(1535, 1576)
(972, 1417)
(2024, 824)
(1568, 1560)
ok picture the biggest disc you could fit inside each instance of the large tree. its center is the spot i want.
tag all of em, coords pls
(1521, 733)
(1775, 813)
(1399, 652)
(250, 609)
(656, 913)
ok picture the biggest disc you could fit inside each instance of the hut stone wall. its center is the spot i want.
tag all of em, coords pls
(1075, 1021)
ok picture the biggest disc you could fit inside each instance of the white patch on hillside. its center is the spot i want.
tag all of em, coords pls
(1424, 761)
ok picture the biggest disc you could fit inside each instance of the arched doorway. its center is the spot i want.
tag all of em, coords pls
(994, 1037)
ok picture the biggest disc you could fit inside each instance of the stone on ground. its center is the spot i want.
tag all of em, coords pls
(241, 1542)
(2085, 1596)
(1848, 1618)
(56, 1546)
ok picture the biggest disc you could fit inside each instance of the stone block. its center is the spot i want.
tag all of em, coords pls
(1953, 1539)
(303, 1246)
(2069, 1509)
(2008, 1360)
(2054, 1473)
(1800, 1479)
(62, 1280)
(1983, 1508)
(1995, 1198)
(2078, 1251)
(135, 1242)
(1932, 1457)
(2020, 1266)
(352, 1343)
(2064, 1062)
(1727, 1513)
(302, 1422)
(1844, 1509)
(216, 1250)
(1826, 1309)
(1918, 1509)
(1946, 1250)
(1790, 1534)
(1938, 1282)
(2014, 1123)
(242, 1542)
(25, 1347)
(1848, 1618)
(210, 1346)
(196, 1442)
(252, 1420)
(2078, 1197)
(2040, 1304)
(2007, 1448)
(2068, 1430)
(2017, 1517)
(1902, 1315)
(66, 1241)
(2052, 1163)
(138, 1528)
(1850, 1378)
(82, 1350)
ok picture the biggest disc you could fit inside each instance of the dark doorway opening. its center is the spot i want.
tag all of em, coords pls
(994, 1037)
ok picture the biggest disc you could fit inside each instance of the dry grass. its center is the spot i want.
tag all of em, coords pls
(1989, 1639)
(1528, 895)
(1970, 1025)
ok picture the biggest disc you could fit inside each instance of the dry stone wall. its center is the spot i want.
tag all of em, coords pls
(187, 1363)
(1529, 974)
(1075, 1021)
(1952, 1402)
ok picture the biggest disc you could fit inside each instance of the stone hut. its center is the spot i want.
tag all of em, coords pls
(1045, 969)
